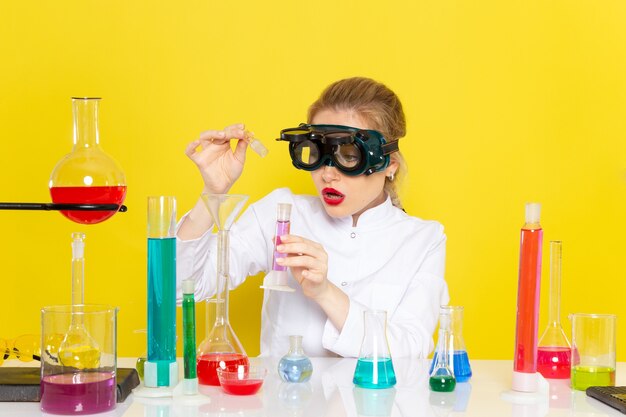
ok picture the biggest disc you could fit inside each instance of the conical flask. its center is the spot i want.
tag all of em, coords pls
(442, 376)
(554, 351)
(460, 360)
(221, 347)
(374, 369)
(87, 175)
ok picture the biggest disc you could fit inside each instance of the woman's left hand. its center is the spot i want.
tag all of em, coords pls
(308, 262)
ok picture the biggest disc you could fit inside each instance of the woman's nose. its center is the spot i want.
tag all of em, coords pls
(329, 173)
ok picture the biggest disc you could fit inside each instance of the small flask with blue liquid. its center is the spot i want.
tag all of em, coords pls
(374, 369)
(460, 361)
(295, 366)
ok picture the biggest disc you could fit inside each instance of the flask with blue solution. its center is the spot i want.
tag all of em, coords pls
(295, 366)
(460, 360)
(374, 368)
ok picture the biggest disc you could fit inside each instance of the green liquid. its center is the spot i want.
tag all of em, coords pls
(374, 373)
(584, 377)
(189, 336)
(444, 383)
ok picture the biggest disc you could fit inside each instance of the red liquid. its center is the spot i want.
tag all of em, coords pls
(80, 393)
(208, 364)
(525, 359)
(242, 387)
(88, 195)
(554, 362)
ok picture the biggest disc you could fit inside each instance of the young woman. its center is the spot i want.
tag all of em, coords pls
(351, 247)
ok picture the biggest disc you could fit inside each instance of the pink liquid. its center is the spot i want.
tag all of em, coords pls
(554, 362)
(525, 359)
(282, 228)
(88, 195)
(79, 393)
(207, 365)
(242, 387)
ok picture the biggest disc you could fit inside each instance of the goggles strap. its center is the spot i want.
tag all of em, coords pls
(390, 147)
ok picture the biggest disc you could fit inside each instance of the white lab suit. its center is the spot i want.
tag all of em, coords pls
(389, 261)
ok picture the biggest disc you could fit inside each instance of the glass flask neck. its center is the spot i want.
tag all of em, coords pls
(295, 346)
(86, 134)
(223, 245)
(554, 307)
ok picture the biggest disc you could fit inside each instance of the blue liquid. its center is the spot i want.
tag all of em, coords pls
(374, 373)
(162, 306)
(298, 369)
(460, 363)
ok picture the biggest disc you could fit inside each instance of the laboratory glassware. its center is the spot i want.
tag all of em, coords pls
(442, 376)
(190, 381)
(221, 348)
(460, 359)
(593, 350)
(87, 175)
(295, 366)
(161, 369)
(78, 349)
(278, 277)
(554, 351)
(374, 368)
(66, 389)
(528, 290)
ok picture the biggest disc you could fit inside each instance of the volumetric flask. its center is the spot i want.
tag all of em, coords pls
(554, 352)
(460, 360)
(442, 376)
(593, 350)
(374, 368)
(221, 348)
(78, 389)
(87, 175)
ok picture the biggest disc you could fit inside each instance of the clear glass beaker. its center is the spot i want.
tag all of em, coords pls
(554, 351)
(593, 350)
(374, 368)
(161, 369)
(87, 175)
(221, 348)
(460, 359)
(84, 387)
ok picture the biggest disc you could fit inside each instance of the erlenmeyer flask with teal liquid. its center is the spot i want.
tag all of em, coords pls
(374, 368)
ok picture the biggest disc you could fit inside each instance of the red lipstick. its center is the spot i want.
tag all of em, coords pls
(332, 197)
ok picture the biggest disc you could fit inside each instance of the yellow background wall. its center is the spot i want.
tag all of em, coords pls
(506, 102)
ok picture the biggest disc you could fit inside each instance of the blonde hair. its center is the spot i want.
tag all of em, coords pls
(375, 103)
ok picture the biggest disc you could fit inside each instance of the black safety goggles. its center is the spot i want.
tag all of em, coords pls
(353, 151)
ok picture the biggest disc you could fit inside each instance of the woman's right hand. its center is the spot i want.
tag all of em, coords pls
(219, 165)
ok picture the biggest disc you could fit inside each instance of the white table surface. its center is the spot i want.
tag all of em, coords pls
(330, 392)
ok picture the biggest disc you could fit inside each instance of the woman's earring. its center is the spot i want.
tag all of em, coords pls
(390, 177)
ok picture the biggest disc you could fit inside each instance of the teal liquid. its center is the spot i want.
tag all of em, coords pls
(442, 383)
(162, 306)
(374, 373)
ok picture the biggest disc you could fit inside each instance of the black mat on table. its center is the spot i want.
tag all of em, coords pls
(21, 384)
